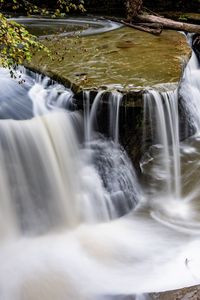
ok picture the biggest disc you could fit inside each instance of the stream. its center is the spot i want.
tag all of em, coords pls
(115, 57)
(76, 222)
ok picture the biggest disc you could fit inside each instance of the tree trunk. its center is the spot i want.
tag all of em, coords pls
(169, 24)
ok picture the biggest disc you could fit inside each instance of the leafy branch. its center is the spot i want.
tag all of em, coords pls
(17, 45)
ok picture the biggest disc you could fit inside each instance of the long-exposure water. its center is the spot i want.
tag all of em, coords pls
(75, 222)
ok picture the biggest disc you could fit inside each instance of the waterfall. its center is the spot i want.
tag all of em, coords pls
(108, 156)
(114, 103)
(86, 104)
(75, 223)
(189, 91)
(50, 178)
(161, 110)
(91, 115)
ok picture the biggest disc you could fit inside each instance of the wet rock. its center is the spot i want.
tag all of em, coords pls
(54, 77)
(190, 293)
(196, 45)
(130, 120)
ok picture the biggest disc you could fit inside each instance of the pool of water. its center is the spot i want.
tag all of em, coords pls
(45, 27)
(124, 57)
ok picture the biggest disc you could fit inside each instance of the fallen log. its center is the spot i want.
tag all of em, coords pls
(169, 24)
(150, 25)
(146, 28)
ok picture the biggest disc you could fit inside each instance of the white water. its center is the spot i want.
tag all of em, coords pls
(190, 91)
(162, 111)
(108, 157)
(114, 102)
(91, 116)
(58, 239)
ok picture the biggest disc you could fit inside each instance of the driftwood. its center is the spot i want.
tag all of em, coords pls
(144, 27)
(154, 24)
(151, 25)
(168, 23)
(153, 28)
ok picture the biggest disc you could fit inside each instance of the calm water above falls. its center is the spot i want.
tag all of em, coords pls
(75, 222)
(124, 57)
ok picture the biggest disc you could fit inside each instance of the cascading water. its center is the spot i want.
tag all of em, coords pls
(114, 102)
(62, 195)
(90, 116)
(162, 111)
(108, 157)
(190, 91)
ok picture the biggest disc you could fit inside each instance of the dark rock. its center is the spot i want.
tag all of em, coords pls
(130, 120)
(196, 45)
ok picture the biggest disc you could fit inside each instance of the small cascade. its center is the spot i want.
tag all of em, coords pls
(40, 193)
(45, 176)
(189, 92)
(161, 113)
(73, 223)
(49, 182)
(19, 95)
(91, 111)
(114, 105)
(118, 175)
(107, 155)
(92, 125)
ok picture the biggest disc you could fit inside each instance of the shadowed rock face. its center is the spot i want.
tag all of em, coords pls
(130, 120)
(196, 45)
